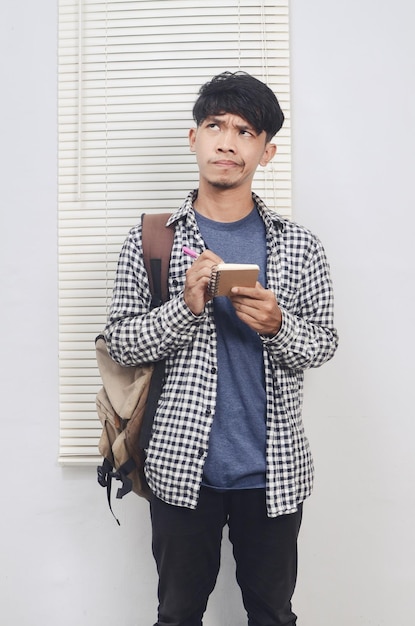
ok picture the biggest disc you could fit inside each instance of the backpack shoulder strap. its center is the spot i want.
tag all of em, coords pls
(157, 241)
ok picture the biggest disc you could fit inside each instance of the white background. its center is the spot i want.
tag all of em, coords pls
(63, 559)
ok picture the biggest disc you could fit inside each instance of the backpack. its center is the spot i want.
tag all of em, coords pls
(128, 399)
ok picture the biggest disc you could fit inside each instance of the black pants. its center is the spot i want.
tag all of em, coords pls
(186, 547)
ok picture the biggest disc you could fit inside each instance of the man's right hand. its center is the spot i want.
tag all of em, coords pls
(197, 279)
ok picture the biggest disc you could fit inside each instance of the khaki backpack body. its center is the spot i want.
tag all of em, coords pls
(128, 399)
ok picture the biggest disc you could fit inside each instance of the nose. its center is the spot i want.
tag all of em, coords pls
(226, 142)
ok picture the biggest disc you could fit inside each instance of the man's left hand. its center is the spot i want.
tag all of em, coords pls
(257, 307)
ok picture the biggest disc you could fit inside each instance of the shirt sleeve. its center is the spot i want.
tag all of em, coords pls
(307, 337)
(133, 333)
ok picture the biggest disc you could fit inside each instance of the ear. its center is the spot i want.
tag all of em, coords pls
(192, 139)
(269, 153)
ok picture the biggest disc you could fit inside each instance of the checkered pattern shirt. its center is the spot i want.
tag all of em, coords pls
(298, 273)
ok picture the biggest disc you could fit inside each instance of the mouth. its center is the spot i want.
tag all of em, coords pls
(226, 163)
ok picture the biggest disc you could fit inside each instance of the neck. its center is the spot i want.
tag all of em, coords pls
(228, 205)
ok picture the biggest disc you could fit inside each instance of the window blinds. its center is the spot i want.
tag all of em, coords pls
(129, 72)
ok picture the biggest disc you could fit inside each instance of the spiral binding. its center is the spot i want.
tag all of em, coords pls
(213, 283)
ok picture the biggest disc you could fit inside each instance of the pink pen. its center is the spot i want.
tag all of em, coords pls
(190, 252)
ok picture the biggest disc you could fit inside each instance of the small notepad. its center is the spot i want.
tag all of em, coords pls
(224, 276)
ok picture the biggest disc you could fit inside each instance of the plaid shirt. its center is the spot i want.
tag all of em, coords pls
(298, 273)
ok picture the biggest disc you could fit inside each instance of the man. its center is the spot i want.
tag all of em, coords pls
(228, 445)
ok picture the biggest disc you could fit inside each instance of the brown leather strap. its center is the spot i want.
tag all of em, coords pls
(157, 244)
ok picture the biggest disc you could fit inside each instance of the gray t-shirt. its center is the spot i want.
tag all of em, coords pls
(236, 457)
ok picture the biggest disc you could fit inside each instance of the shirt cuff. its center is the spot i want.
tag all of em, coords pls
(178, 315)
(285, 335)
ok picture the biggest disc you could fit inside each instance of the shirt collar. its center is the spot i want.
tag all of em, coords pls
(270, 217)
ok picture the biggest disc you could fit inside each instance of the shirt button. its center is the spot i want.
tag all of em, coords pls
(201, 453)
(214, 370)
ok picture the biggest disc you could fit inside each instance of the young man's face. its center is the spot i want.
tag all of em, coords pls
(228, 150)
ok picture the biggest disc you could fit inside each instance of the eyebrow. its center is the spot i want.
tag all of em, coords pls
(218, 120)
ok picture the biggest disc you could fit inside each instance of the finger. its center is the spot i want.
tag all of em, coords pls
(208, 255)
(257, 292)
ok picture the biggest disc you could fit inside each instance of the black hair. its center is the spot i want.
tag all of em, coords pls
(241, 94)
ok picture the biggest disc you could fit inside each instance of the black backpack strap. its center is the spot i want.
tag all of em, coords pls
(105, 475)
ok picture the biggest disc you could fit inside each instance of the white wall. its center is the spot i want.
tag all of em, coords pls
(63, 559)
(353, 69)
